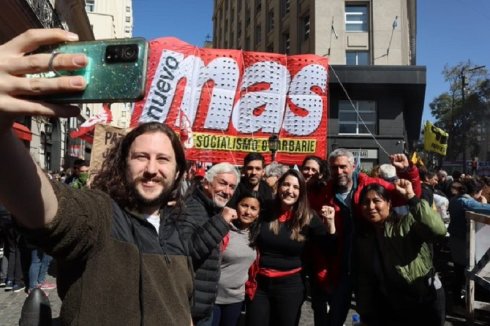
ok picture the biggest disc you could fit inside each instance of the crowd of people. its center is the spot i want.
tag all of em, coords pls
(150, 242)
(23, 266)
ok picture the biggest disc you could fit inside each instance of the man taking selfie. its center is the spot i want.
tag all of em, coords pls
(121, 259)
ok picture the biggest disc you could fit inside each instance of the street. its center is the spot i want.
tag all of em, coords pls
(11, 306)
(11, 303)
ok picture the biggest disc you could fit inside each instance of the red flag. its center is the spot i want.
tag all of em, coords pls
(86, 130)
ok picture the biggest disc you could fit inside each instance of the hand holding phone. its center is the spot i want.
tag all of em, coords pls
(116, 70)
(17, 91)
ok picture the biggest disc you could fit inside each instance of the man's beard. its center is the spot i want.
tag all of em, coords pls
(253, 181)
(141, 201)
(343, 181)
(220, 201)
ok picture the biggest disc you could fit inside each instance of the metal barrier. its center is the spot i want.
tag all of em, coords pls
(476, 272)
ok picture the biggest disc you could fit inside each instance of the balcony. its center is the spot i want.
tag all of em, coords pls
(18, 16)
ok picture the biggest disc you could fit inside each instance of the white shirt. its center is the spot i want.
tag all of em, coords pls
(154, 220)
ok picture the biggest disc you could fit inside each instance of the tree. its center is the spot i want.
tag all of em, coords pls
(464, 110)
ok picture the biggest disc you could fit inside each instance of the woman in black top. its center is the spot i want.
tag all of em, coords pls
(281, 241)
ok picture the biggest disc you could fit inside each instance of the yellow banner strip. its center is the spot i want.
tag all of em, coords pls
(257, 144)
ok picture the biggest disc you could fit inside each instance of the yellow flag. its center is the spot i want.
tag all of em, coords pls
(435, 139)
(416, 159)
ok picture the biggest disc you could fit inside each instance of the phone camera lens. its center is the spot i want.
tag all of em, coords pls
(129, 53)
(121, 53)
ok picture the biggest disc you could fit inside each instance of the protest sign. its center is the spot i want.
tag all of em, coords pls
(105, 137)
(227, 103)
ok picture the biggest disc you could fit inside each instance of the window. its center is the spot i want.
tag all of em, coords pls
(356, 18)
(128, 9)
(128, 19)
(285, 6)
(89, 5)
(351, 123)
(270, 20)
(73, 123)
(258, 34)
(306, 27)
(357, 58)
(286, 44)
(258, 6)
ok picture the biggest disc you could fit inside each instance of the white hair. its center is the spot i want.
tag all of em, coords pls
(274, 169)
(342, 152)
(221, 168)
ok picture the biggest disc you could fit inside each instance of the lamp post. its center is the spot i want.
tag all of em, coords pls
(463, 124)
(273, 145)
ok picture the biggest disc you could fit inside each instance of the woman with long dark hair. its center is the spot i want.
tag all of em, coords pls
(316, 174)
(237, 254)
(395, 279)
(287, 227)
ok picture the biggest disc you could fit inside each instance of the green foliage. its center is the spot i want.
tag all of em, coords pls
(464, 109)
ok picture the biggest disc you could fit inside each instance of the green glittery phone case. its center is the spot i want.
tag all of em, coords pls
(116, 71)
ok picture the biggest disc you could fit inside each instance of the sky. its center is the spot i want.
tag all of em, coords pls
(448, 32)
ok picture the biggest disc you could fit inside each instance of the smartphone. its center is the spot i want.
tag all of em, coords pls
(116, 71)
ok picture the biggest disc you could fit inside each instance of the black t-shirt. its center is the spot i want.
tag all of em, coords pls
(282, 253)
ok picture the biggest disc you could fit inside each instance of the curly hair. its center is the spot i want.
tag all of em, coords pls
(112, 177)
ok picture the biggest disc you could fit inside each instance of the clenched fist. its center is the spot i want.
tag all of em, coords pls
(399, 161)
(327, 214)
(229, 214)
(404, 188)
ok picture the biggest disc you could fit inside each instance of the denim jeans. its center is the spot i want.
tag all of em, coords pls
(39, 267)
(227, 314)
(206, 321)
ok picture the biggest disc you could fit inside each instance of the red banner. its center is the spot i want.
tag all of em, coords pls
(227, 103)
(86, 129)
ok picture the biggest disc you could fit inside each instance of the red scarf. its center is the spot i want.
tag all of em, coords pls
(286, 216)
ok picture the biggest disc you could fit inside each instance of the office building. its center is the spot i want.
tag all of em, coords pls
(376, 90)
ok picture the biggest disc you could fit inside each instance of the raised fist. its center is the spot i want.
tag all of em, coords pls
(404, 188)
(229, 214)
(399, 161)
(327, 214)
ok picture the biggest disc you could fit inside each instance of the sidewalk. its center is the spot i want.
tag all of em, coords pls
(11, 307)
(11, 304)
